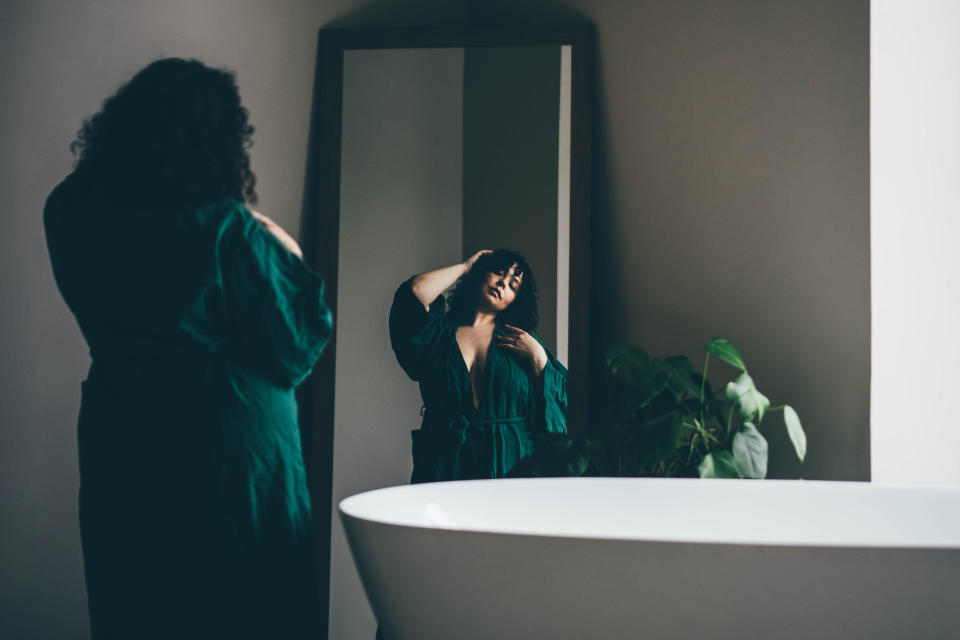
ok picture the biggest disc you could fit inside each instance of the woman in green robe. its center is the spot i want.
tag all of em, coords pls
(201, 318)
(490, 389)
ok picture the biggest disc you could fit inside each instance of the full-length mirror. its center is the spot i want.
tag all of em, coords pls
(447, 151)
(435, 145)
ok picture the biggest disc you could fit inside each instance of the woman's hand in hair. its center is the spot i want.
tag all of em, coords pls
(285, 238)
(525, 345)
(468, 264)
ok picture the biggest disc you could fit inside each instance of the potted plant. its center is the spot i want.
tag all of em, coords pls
(664, 419)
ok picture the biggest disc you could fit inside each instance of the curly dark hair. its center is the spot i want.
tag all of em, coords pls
(521, 313)
(175, 134)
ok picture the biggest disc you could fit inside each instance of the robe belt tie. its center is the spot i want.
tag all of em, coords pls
(465, 449)
(460, 432)
(462, 422)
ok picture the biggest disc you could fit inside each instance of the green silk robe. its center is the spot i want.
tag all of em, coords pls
(456, 440)
(194, 512)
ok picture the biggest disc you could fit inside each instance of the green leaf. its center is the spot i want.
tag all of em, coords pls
(576, 458)
(663, 403)
(624, 361)
(795, 431)
(744, 393)
(719, 464)
(681, 375)
(726, 351)
(641, 387)
(657, 440)
(750, 451)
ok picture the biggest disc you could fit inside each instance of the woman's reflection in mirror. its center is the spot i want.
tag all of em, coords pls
(490, 387)
(201, 318)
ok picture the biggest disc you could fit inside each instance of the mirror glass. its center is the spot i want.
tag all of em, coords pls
(444, 151)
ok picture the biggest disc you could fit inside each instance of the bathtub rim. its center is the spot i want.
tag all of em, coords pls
(348, 509)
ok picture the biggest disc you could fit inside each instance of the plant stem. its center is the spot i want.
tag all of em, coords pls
(705, 435)
(703, 382)
(703, 385)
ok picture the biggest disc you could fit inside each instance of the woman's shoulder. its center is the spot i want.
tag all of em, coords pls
(70, 194)
(222, 213)
(228, 223)
(60, 195)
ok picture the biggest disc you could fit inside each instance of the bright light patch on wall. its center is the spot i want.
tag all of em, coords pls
(915, 230)
(563, 209)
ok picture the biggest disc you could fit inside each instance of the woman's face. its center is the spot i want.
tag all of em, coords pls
(499, 289)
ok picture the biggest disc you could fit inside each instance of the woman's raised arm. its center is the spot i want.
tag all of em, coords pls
(430, 284)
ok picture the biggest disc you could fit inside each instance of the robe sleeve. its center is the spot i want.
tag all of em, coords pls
(417, 335)
(270, 299)
(550, 410)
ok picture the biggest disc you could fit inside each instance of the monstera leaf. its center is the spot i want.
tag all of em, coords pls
(750, 451)
(726, 351)
(682, 378)
(719, 464)
(751, 402)
(624, 361)
(642, 387)
(658, 439)
(795, 431)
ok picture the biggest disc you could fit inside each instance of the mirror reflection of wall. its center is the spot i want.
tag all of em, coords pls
(511, 144)
(443, 151)
(400, 198)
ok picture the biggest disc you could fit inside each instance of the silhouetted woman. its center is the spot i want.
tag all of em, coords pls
(489, 386)
(201, 318)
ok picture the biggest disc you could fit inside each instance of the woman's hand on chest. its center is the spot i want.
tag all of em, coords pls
(525, 346)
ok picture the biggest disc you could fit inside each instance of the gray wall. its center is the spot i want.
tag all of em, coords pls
(733, 183)
(401, 191)
(733, 198)
(511, 124)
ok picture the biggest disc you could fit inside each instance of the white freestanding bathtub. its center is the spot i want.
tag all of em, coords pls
(596, 558)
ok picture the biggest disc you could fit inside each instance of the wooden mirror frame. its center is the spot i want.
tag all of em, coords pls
(317, 396)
